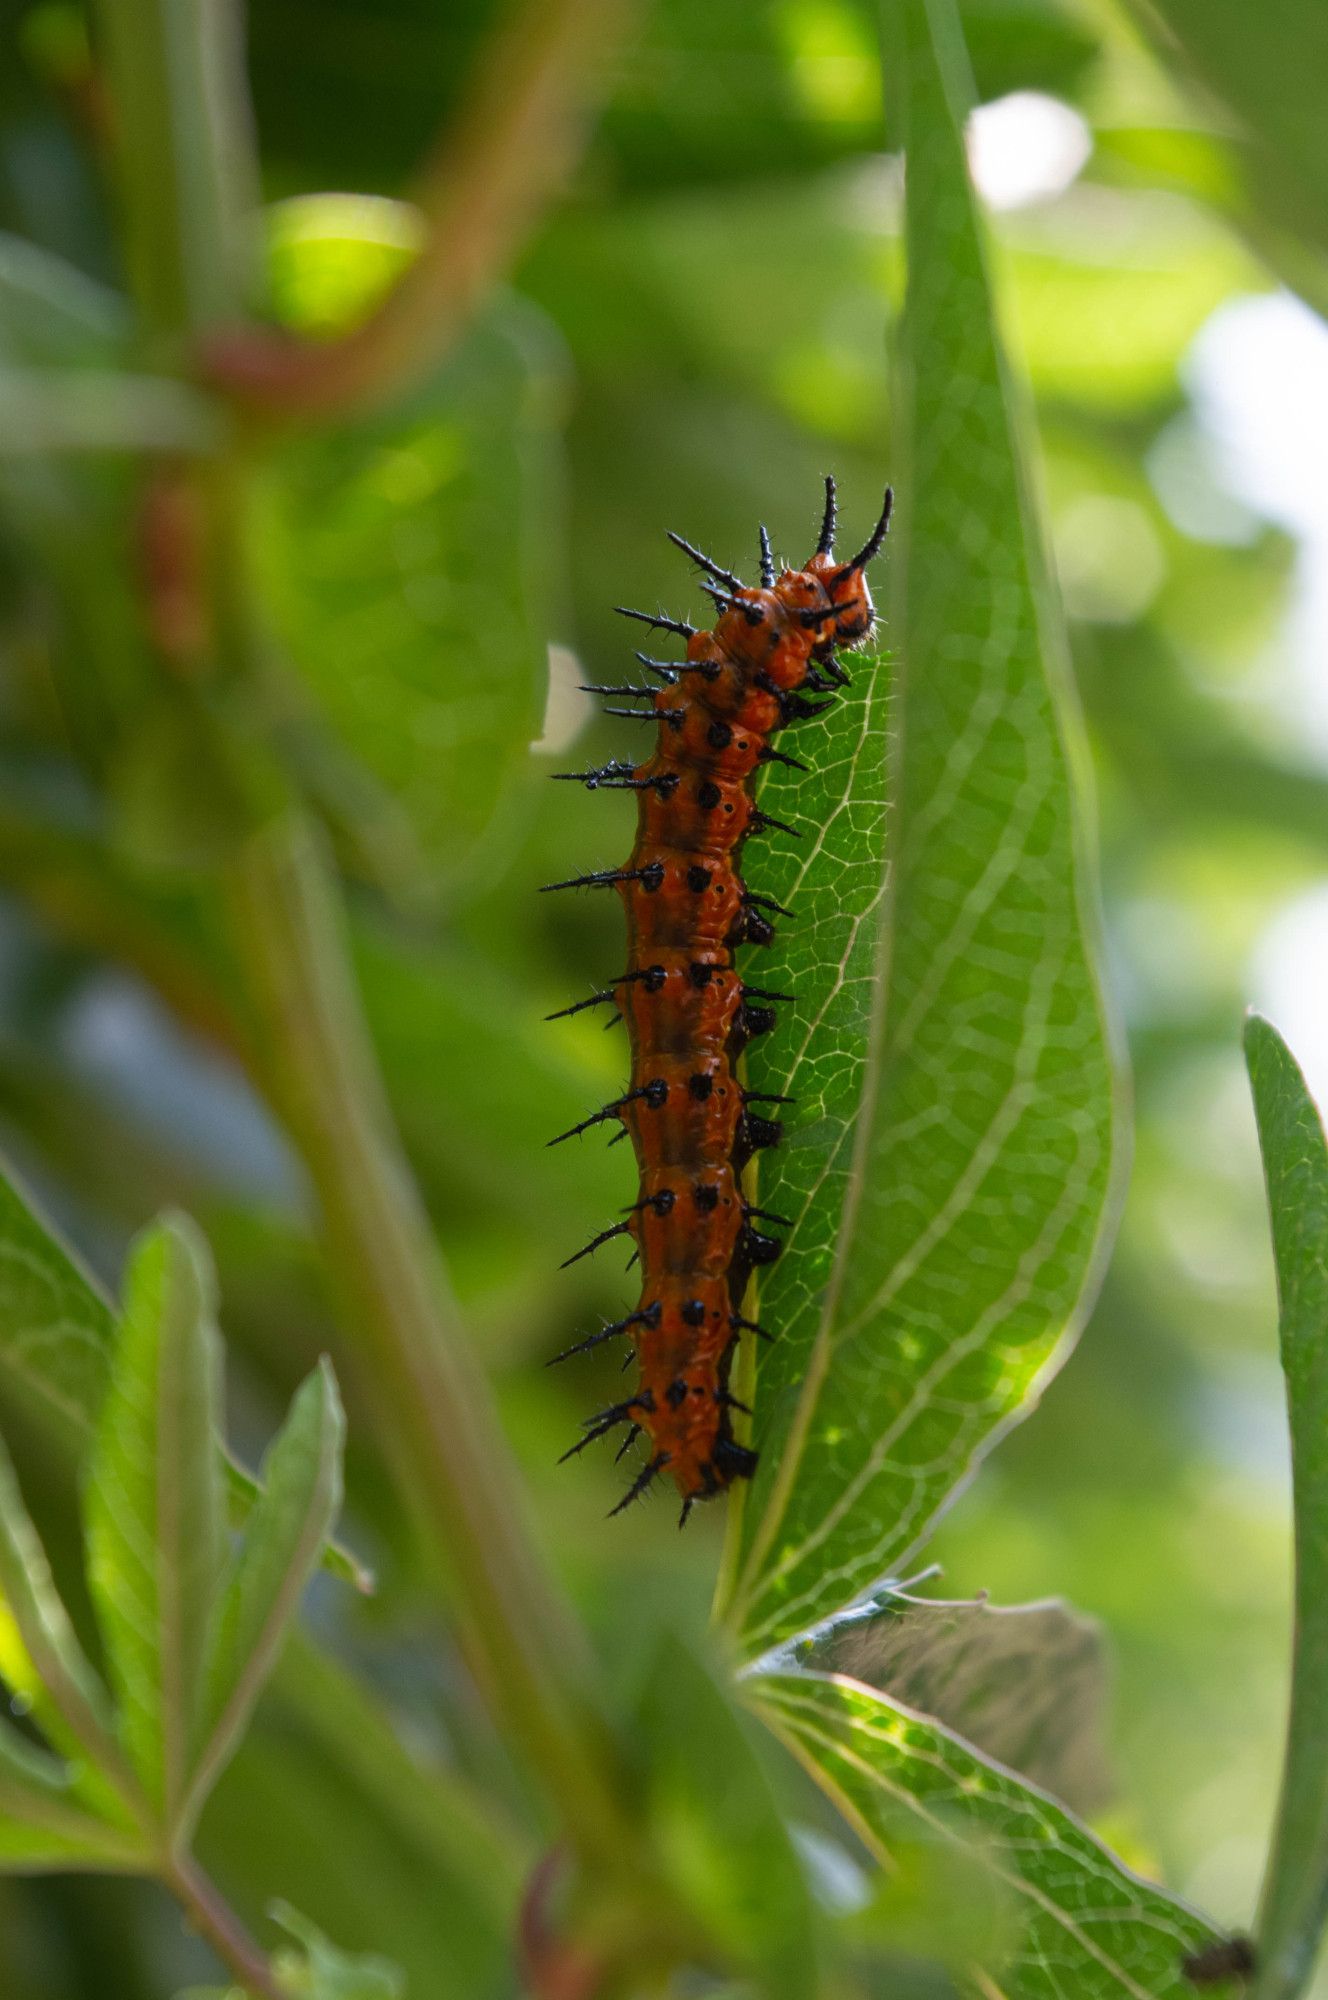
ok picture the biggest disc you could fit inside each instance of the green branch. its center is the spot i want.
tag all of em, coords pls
(434, 1412)
(496, 167)
(186, 180)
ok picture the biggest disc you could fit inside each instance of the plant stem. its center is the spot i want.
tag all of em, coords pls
(501, 160)
(187, 181)
(182, 151)
(216, 1922)
(434, 1411)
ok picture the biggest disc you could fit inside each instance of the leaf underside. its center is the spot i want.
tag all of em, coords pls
(1025, 1684)
(1082, 1923)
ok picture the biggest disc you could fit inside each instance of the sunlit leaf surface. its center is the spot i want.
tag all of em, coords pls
(1086, 1925)
(948, 1158)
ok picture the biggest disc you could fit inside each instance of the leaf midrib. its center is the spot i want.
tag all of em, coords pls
(823, 1346)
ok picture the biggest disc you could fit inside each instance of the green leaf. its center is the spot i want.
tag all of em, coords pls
(191, 782)
(318, 1971)
(422, 1859)
(57, 1336)
(1024, 1684)
(724, 1840)
(59, 409)
(1265, 66)
(287, 1530)
(1084, 1924)
(49, 1642)
(1295, 1159)
(154, 1507)
(42, 1824)
(56, 1331)
(376, 533)
(948, 1163)
(53, 314)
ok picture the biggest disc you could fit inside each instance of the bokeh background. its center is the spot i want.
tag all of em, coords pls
(692, 335)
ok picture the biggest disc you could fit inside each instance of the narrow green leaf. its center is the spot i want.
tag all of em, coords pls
(287, 1529)
(41, 1822)
(154, 1506)
(56, 1331)
(47, 1636)
(86, 409)
(1083, 1924)
(51, 313)
(57, 1336)
(723, 1838)
(1295, 1160)
(948, 1161)
(1025, 1684)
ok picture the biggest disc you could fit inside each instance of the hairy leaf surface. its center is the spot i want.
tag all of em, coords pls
(1025, 1684)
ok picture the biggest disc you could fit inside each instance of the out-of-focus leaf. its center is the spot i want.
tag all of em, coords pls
(1186, 157)
(1024, 1684)
(318, 1971)
(55, 1329)
(48, 1639)
(41, 1824)
(1086, 1925)
(86, 410)
(53, 314)
(331, 258)
(189, 783)
(57, 1334)
(1027, 45)
(719, 1828)
(937, 1911)
(408, 562)
(421, 1861)
(1295, 1158)
(1105, 331)
(466, 1055)
(1266, 66)
(948, 1162)
(286, 1532)
(154, 1507)
(66, 515)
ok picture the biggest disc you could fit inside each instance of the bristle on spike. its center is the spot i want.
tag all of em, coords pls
(705, 562)
(768, 571)
(659, 621)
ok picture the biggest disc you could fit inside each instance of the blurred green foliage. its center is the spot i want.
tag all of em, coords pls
(690, 339)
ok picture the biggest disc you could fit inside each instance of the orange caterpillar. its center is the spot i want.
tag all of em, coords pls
(688, 1011)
